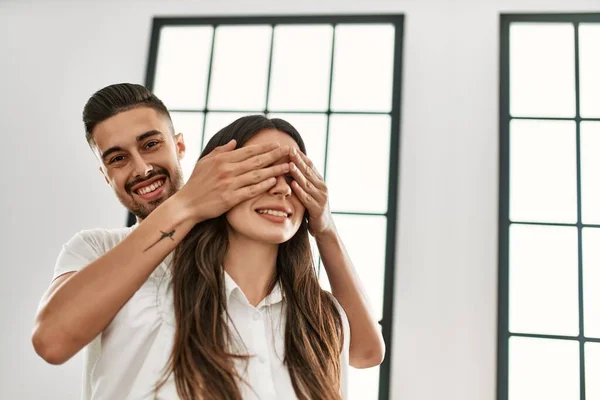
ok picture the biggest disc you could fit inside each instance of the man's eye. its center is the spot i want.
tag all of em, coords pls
(289, 178)
(117, 159)
(151, 144)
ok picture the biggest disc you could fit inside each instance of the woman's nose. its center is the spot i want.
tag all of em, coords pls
(281, 188)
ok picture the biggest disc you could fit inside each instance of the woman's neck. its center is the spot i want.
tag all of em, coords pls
(251, 265)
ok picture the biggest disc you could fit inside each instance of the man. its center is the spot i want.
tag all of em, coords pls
(103, 277)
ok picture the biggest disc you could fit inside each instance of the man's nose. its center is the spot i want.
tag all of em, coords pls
(142, 168)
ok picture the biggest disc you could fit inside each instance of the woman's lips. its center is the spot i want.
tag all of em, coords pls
(273, 218)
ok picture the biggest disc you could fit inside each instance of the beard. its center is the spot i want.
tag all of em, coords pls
(140, 208)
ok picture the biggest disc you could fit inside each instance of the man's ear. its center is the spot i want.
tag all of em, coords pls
(104, 174)
(179, 145)
(96, 152)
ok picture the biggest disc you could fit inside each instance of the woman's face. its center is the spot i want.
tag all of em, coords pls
(274, 216)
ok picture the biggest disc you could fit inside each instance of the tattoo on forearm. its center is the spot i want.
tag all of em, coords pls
(163, 236)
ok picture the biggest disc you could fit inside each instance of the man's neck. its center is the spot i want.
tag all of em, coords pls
(251, 265)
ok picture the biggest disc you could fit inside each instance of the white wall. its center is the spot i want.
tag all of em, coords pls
(54, 56)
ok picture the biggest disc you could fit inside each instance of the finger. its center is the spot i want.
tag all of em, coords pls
(248, 192)
(311, 165)
(309, 202)
(260, 160)
(306, 184)
(306, 165)
(259, 175)
(222, 149)
(251, 151)
(307, 168)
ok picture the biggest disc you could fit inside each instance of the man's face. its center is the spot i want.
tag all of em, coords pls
(140, 158)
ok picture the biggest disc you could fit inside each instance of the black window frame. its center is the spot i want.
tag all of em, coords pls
(504, 186)
(397, 20)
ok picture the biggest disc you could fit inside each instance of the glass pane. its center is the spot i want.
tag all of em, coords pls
(363, 384)
(543, 171)
(240, 68)
(543, 369)
(358, 163)
(364, 239)
(591, 282)
(592, 371)
(313, 129)
(301, 68)
(543, 280)
(542, 70)
(216, 121)
(589, 65)
(190, 124)
(363, 68)
(590, 172)
(182, 66)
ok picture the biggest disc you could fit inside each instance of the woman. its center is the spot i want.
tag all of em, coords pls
(251, 319)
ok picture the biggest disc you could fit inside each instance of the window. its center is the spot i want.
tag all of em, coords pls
(549, 266)
(337, 80)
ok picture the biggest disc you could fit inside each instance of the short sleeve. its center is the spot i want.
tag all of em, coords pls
(76, 254)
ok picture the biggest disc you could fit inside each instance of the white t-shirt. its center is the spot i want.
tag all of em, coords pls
(127, 359)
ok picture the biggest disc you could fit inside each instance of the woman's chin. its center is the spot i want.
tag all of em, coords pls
(274, 239)
(263, 231)
(271, 237)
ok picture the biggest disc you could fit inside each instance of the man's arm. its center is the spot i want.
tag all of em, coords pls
(78, 306)
(367, 347)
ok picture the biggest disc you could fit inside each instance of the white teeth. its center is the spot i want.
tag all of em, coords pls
(150, 188)
(273, 212)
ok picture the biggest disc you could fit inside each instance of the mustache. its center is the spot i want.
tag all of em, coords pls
(155, 172)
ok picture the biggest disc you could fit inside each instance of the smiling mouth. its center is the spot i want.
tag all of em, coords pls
(152, 189)
(275, 213)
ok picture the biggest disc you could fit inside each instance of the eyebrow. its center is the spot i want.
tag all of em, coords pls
(138, 139)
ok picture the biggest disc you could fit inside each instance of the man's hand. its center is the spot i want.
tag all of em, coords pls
(311, 189)
(226, 177)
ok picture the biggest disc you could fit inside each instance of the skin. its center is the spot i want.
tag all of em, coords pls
(128, 162)
(254, 238)
(367, 348)
(79, 305)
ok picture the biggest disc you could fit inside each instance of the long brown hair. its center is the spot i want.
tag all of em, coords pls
(201, 360)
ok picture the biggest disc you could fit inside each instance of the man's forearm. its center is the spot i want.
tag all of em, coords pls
(367, 348)
(81, 307)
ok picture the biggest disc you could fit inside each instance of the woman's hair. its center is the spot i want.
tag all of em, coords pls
(202, 359)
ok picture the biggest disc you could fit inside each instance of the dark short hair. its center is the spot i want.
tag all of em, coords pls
(113, 99)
